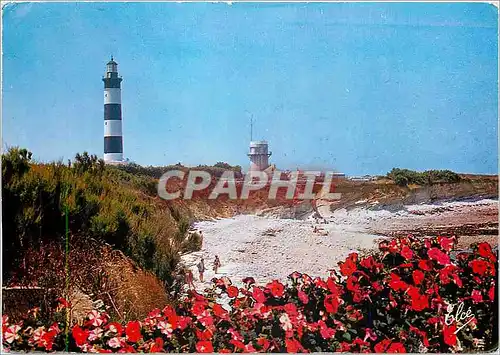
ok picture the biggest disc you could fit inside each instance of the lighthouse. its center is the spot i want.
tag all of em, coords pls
(113, 139)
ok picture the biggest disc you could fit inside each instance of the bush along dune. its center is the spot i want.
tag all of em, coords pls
(103, 203)
(412, 295)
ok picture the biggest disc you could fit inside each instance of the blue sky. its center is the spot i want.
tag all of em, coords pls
(356, 87)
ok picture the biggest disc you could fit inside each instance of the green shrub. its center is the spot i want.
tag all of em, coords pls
(404, 177)
(104, 203)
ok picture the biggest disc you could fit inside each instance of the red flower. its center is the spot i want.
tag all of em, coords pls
(425, 265)
(396, 283)
(48, 339)
(219, 311)
(331, 303)
(332, 286)
(446, 272)
(370, 263)
(418, 277)
(291, 309)
(292, 345)
(349, 266)
(449, 335)
(376, 286)
(325, 331)
(491, 293)
(232, 291)
(276, 288)
(133, 331)
(303, 297)
(446, 243)
(157, 346)
(344, 347)
(79, 335)
(63, 303)
(198, 308)
(258, 295)
(237, 344)
(396, 348)
(183, 322)
(263, 343)
(484, 250)
(476, 296)
(422, 333)
(479, 267)
(204, 347)
(441, 257)
(168, 311)
(433, 320)
(382, 346)
(418, 301)
(352, 283)
(457, 280)
(406, 252)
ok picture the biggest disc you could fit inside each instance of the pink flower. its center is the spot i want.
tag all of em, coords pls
(303, 297)
(54, 328)
(38, 334)
(11, 333)
(114, 343)
(95, 318)
(95, 334)
(370, 334)
(165, 327)
(115, 328)
(286, 324)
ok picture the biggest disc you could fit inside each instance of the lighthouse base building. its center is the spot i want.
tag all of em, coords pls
(259, 155)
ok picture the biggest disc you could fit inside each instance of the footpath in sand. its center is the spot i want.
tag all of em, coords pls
(272, 248)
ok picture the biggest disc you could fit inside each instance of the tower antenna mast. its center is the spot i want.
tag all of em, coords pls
(251, 127)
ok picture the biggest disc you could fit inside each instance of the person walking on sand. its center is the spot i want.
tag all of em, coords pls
(201, 268)
(189, 279)
(216, 263)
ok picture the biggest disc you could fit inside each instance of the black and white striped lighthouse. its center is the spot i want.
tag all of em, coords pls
(113, 140)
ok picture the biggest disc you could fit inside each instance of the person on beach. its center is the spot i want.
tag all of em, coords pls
(216, 263)
(190, 279)
(201, 268)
